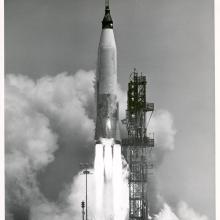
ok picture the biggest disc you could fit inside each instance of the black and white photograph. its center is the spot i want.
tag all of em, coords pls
(109, 110)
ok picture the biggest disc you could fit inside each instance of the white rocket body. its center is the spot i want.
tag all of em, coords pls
(107, 63)
(107, 121)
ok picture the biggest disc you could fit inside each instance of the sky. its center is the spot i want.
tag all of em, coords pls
(171, 41)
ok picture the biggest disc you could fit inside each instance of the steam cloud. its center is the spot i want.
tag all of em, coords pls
(38, 116)
(45, 116)
(183, 212)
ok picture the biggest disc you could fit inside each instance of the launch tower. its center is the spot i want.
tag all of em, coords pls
(138, 145)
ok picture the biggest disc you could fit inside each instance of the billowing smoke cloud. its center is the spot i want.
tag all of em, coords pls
(50, 123)
(183, 212)
(162, 126)
(42, 116)
(69, 207)
(166, 214)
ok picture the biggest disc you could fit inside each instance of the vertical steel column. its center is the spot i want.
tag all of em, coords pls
(86, 172)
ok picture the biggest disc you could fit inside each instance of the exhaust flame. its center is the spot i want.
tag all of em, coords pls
(99, 177)
(117, 181)
(110, 181)
(108, 123)
(108, 144)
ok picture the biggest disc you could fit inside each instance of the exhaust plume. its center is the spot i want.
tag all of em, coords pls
(111, 182)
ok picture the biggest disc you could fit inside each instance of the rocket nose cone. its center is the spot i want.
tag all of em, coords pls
(107, 21)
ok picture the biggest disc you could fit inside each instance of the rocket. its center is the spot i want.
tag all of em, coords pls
(107, 120)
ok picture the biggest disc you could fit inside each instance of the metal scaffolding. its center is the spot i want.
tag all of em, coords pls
(137, 146)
